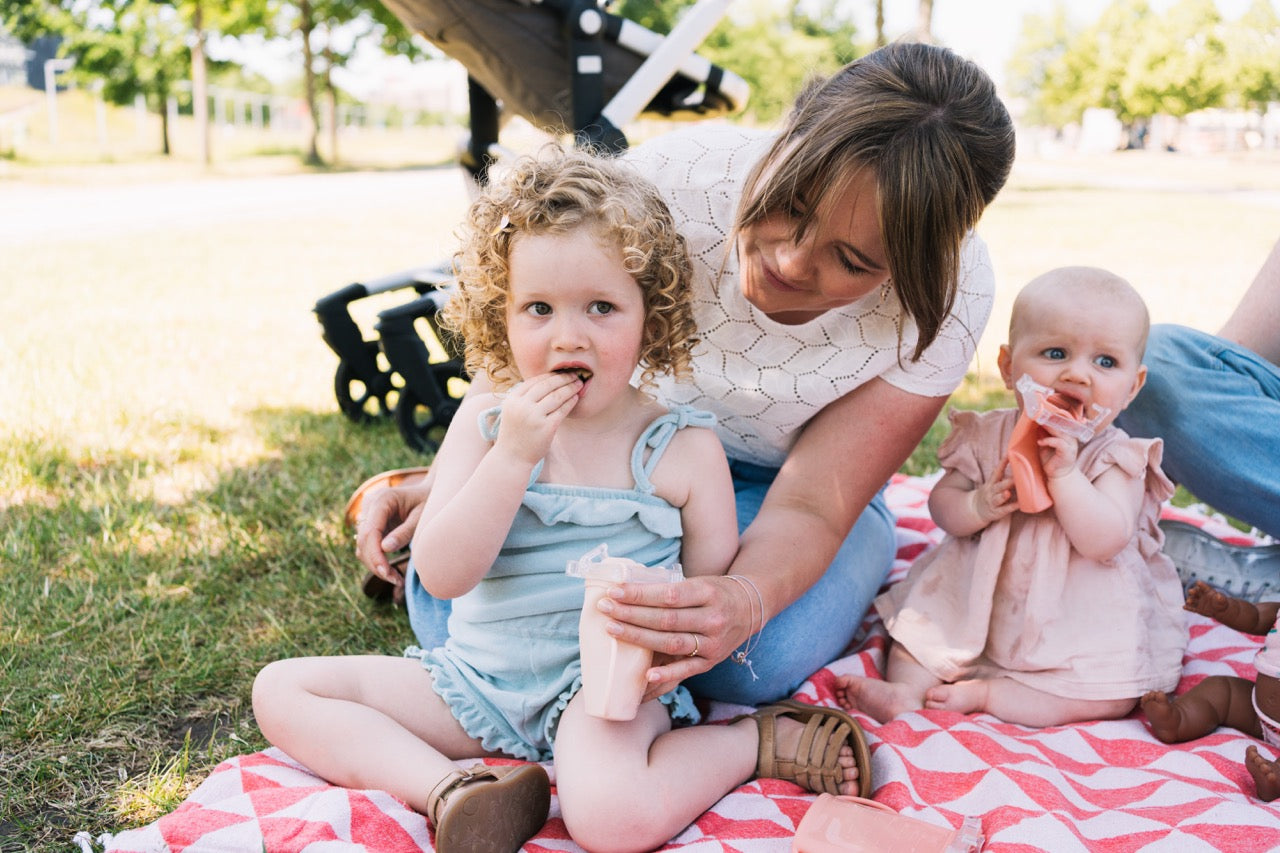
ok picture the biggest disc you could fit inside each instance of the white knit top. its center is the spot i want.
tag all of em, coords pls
(762, 379)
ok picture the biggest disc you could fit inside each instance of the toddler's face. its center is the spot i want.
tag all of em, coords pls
(573, 307)
(1085, 349)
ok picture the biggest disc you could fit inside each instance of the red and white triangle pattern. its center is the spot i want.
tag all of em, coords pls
(1102, 786)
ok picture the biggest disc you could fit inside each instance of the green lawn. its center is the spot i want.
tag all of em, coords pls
(173, 466)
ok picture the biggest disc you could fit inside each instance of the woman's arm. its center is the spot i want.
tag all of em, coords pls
(844, 456)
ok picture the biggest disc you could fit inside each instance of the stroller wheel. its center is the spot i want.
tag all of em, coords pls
(364, 399)
(422, 427)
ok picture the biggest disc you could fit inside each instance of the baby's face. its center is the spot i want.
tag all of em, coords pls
(1086, 350)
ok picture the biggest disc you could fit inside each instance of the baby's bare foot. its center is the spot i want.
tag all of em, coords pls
(1162, 716)
(965, 697)
(882, 700)
(1205, 600)
(788, 732)
(1265, 773)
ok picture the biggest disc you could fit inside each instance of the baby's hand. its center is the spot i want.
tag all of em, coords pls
(1057, 454)
(994, 499)
(532, 412)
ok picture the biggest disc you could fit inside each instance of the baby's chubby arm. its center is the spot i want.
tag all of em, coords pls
(962, 507)
(1100, 517)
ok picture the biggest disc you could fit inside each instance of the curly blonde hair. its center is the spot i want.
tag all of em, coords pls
(555, 192)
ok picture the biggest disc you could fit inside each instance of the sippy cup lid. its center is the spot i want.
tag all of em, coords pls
(596, 564)
(1040, 407)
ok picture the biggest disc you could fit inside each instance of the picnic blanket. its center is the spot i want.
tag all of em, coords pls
(1091, 786)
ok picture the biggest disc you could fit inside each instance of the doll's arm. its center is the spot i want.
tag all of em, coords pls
(1236, 613)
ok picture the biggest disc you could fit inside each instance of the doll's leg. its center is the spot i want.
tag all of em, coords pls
(311, 707)
(902, 689)
(1265, 773)
(1015, 702)
(1219, 700)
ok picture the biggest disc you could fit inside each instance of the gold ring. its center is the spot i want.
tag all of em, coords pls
(694, 653)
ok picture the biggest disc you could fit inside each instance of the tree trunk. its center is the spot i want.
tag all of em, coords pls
(331, 95)
(881, 41)
(924, 21)
(200, 86)
(306, 26)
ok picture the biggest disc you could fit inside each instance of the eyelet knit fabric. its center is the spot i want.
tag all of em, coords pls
(764, 380)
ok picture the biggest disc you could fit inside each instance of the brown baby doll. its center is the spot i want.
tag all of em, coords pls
(1252, 707)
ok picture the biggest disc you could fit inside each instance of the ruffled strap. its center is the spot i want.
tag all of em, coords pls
(657, 436)
(489, 421)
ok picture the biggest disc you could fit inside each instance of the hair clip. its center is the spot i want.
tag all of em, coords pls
(503, 225)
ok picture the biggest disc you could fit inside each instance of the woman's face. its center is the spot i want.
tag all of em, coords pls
(840, 259)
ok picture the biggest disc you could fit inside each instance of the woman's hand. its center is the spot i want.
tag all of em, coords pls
(387, 520)
(691, 625)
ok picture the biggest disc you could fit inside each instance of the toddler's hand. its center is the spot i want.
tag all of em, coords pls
(532, 412)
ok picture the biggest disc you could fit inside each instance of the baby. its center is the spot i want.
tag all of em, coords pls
(1069, 613)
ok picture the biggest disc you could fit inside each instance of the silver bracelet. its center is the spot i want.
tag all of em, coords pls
(742, 655)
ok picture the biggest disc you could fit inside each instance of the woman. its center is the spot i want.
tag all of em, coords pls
(839, 297)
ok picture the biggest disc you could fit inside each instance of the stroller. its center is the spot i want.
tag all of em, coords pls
(566, 66)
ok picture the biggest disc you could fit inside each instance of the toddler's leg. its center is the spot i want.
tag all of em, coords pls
(633, 786)
(902, 690)
(1015, 702)
(1219, 700)
(362, 722)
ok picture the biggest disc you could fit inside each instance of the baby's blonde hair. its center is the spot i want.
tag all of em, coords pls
(556, 192)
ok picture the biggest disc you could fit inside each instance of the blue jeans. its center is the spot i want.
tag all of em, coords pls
(1217, 407)
(797, 642)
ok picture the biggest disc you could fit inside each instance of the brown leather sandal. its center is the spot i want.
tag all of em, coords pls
(372, 585)
(816, 765)
(489, 809)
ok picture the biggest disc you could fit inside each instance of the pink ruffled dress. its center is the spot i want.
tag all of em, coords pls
(1017, 600)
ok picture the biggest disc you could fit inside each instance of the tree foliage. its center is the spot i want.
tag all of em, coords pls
(1140, 63)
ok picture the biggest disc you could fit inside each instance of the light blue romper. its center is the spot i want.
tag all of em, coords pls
(511, 663)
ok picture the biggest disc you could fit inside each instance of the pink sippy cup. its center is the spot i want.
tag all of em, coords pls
(613, 671)
(1040, 407)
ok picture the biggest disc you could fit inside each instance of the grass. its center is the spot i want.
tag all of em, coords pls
(173, 466)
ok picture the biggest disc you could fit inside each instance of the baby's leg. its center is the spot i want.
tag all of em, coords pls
(1015, 702)
(1216, 701)
(362, 722)
(902, 690)
(1265, 773)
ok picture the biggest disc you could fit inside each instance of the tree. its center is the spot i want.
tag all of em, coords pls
(1252, 62)
(134, 47)
(331, 31)
(1174, 69)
